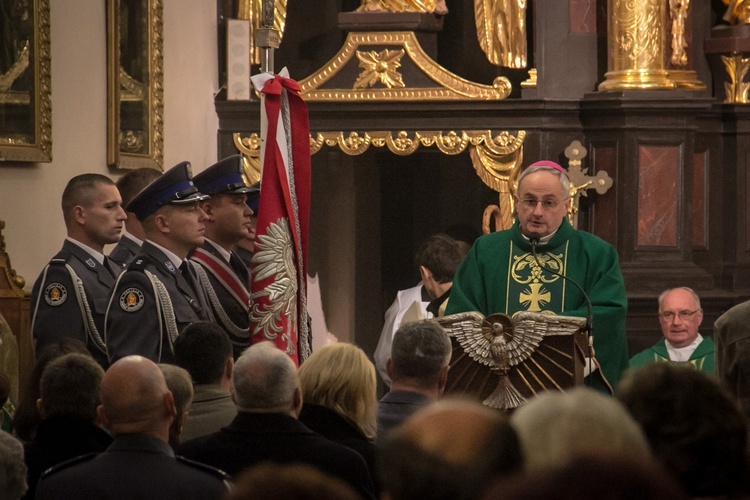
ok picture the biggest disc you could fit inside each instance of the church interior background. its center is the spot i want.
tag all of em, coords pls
(419, 121)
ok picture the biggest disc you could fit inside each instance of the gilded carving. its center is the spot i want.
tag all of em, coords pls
(450, 87)
(501, 31)
(636, 46)
(738, 11)
(499, 172)
(252, 10)
(428, 6)
(736, 89)
(402, 143)
(379, 66)
(678, 10)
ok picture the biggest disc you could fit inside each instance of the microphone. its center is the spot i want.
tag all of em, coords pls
(534, 239)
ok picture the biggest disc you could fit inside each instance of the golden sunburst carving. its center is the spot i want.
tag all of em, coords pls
(379, 66)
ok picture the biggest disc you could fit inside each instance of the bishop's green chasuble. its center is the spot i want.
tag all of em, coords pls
(499, 275)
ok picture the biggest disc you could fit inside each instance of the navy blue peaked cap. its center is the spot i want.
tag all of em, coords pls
(175, 186)
(223, 177)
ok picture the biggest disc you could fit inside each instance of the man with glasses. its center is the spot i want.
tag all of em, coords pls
(501, 275)
(680, 316)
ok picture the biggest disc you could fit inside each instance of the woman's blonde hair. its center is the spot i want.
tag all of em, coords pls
(340, 377)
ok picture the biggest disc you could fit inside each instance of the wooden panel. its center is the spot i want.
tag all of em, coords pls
(700, 190)
(658, 171)
(605, 207)
(583, 16)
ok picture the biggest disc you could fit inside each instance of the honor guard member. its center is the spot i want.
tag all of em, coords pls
(69, 298)
(132, 237)
(223, 275)
(246, 245)
(158, 294)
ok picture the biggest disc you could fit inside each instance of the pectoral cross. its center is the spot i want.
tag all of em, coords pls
(535, 297)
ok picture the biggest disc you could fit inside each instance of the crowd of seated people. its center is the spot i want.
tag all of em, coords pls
(670, 431)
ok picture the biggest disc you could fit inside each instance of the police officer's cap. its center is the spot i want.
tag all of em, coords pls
(174, 187)
(223, 177)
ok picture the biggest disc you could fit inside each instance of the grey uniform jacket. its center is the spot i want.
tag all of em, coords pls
(150, 304)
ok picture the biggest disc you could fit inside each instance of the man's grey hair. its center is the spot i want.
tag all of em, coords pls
(70, 386)
(564, 180)
(420, 351)
(180, 384)
(12, 468)
(264, 379)
(687, 289)
(556, 427)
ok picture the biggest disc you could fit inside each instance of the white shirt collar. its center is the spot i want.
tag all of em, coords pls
(126, 234)
(96, 255)
(544, 239)
(223, 252)
(170, 255)
(683, 353)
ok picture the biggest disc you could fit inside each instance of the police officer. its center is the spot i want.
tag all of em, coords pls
(225, 277)
(69, 298)
(158, 294)
(132, 237)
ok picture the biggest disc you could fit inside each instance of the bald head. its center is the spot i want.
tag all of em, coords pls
(449, 449)
(135, 398)
(455, 430)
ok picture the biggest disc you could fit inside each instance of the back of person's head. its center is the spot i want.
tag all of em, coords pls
(70, 387)
(451, 449)
(180, 384)
(203, 349)
(27, 418)
(135, 398)
(695, 428)
(340, 377)
(420, 353)
(589, 477)
(442, 255)
(265, 380)
(79, 190)
(271, 481)
(556, 427)
(134, 181)
(12, 468)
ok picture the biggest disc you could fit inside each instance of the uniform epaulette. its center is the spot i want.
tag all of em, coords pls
(138, 264)
(67, 464)
(218, 473)
(60, 257)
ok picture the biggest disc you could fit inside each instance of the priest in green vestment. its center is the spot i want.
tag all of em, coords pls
(500, 274)
(680, 316)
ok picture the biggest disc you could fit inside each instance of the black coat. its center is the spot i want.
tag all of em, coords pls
(135, 466)
(59, 439)
(252, 438)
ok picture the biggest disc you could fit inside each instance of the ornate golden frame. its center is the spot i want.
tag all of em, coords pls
(25, 92)
(397, 44)
(135, 85)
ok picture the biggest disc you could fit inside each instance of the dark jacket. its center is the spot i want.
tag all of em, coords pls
(59, 439)
(255, 437)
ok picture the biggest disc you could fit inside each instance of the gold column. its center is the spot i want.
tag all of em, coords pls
(636, 46)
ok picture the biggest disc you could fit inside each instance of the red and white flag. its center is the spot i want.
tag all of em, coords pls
(278, 301)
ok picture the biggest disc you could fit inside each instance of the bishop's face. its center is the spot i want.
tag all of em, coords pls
(541, 203)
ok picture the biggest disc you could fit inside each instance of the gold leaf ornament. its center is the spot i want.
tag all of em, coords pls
(379, 67)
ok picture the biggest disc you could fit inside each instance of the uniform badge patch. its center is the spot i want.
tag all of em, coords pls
(168, 264)
(90, 262)
(55, 294)
(131, 300)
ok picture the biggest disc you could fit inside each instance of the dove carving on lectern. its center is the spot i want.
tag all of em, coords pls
(502, 343)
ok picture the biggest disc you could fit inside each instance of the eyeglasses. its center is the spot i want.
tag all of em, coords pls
(531, 203)
(683, 315)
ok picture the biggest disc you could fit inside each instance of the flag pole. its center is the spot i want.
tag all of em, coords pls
(267, 38)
